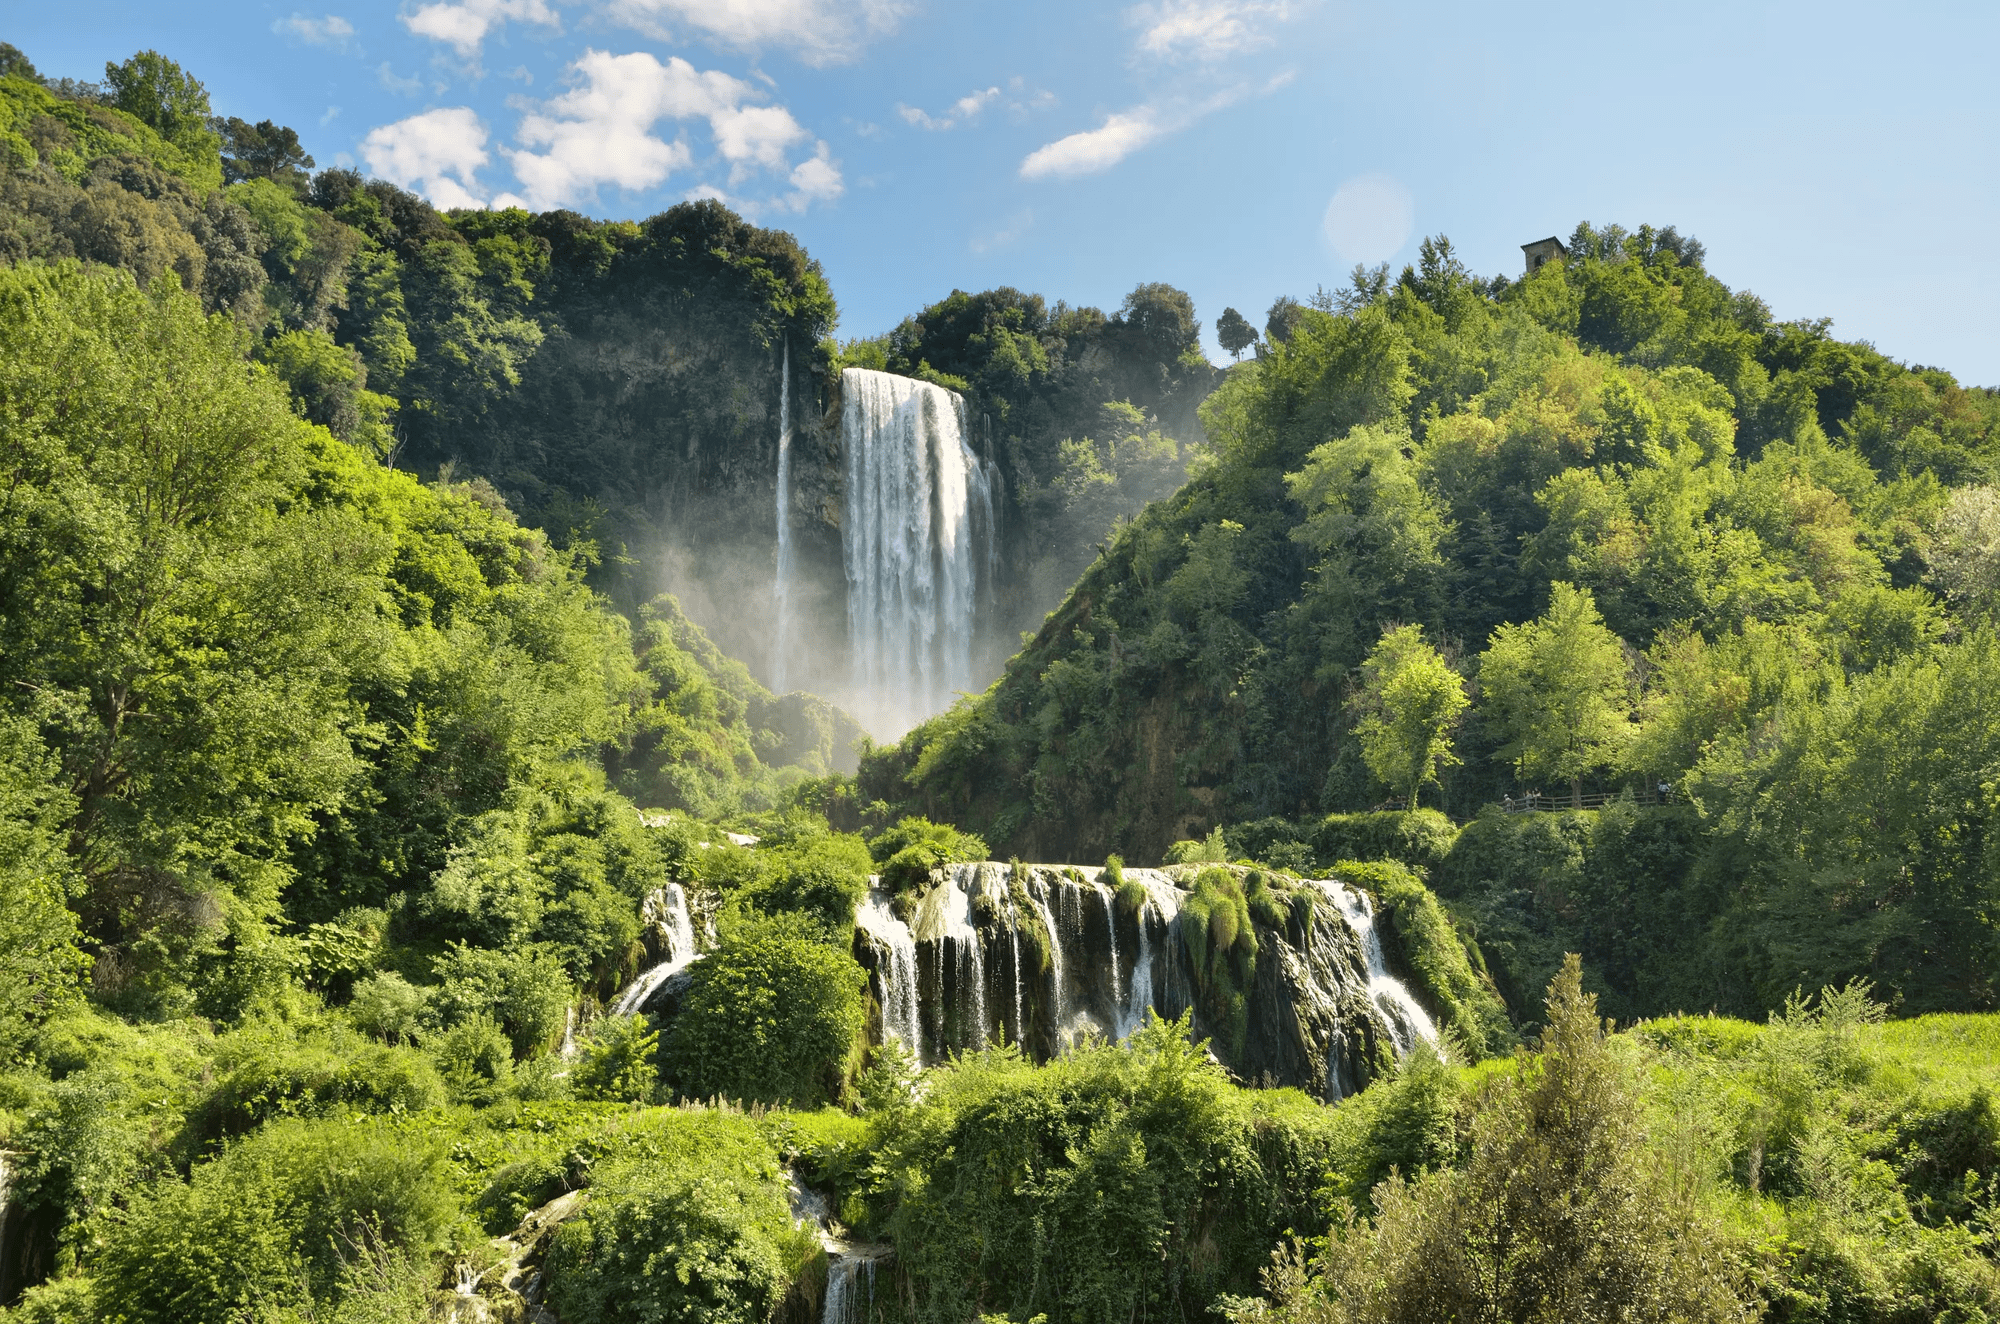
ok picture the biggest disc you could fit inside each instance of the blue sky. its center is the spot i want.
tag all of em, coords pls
(1837, 159)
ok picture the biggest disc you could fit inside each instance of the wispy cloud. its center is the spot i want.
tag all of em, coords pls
(1127, 131)
(1013, 228)
(1205, 34)
(438, 153)
(463, 24)
(394, 82)
(333, 32)
(1205, 30)
(818, 32)
(965, 108)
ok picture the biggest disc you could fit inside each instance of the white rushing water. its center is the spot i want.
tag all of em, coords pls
(781, 591)
(1055, 957)
(667, 910)
(918, 543)
(898, 992)
(1408, 1022)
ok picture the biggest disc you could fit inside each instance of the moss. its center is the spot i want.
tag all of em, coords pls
(1028, 918)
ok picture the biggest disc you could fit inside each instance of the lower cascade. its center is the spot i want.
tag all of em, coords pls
(1037, 955)
(671, 924)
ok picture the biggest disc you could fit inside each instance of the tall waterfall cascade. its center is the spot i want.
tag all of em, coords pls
(781, 590)
(918, 543)
(1047, 957)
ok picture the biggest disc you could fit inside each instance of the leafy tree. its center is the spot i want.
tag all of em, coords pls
(1556, 691)
(1235, 333)
(1282, 318)
(14, 64)
(164, 97)
(262, 151)
(1412, 701)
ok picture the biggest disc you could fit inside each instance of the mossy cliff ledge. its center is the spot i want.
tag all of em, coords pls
(1283, 976)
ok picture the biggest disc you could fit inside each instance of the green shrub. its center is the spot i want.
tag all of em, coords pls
(1209, 850)
(265, 1070)
(527, 991)
(772, 1015)
(687, 1223)
(474, 1058)
(616, 1061)
(278, 1221)
(1437, 955)
(389, 1007)
(1115, 1183)
(822, 878)
(1420, 839)
(911, 852)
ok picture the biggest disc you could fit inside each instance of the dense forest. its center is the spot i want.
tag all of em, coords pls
(346, 767)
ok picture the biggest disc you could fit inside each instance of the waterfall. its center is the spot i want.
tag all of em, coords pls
(1140, 996)
(1111, 927)
(898, 977)
(1014, 938)
(666, 910)
(1407, 1021)
(844, 1304)
(781, 591)
(1055, 960)
(918, 500)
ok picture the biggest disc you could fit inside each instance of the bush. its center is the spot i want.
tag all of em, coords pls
(1441, 960)
(527, 991)
(265, 1071)
(772, 1015)
(280, 1220)
(1211, 849)
(822, 879)
(389, 1007)
(687, 1223)
(1420, 839)
(911, 852)
(616, 1062)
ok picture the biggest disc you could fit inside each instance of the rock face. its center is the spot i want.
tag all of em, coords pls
(1044, 956)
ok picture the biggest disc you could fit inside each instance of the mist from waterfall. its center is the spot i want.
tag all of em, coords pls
(919, 546)
(781, 591)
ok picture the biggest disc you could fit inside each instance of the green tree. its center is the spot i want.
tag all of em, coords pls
(263, 150)
(1412, 701)
(166, 98)
(1557, 691)
(1233, 329)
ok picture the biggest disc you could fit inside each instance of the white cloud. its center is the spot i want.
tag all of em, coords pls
(1205, 30)
(819, 32)
(464, 24)
(333, 31)
(965, 108)
(437, 153)
(1097, 149)
(816, 179)
(603, 132)
(332, 114)
(1126, 131)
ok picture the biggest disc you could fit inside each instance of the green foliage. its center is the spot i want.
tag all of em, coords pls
(1412, 701)
(1420, 838)
(40, 963)
(773, 1016)
(1209, 850)
(1447, 967)
(278, 1220)
(1557, 691)
(616, 1061)
(1556, 1214)
(911, 853)
(1095, 1187)
(687, 1222)
(1221, 945)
